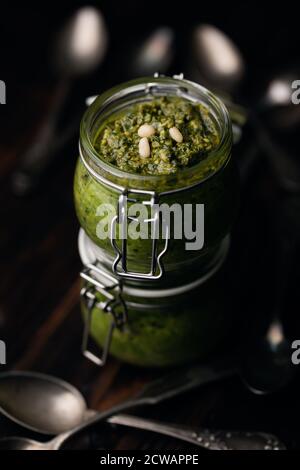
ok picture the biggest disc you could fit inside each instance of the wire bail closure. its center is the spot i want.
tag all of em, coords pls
(119, 266)
(107, 297)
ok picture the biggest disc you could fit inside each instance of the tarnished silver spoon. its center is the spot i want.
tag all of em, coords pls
(40, 402)
(49, 405)
(201, 437)
(79, 49)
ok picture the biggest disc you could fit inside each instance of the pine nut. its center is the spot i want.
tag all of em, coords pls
(176, 134)
(146, 130)
(144, 148)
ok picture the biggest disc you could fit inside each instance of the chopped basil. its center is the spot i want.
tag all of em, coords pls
(118, 142)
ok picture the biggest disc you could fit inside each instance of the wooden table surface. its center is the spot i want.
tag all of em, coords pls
(41, 324)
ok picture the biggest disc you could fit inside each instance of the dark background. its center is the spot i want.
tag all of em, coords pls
(39, 287)
(267, 35)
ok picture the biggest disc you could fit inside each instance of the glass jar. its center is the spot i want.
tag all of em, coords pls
(153, 326)
(212, 182)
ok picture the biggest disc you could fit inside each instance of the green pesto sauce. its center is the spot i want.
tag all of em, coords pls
(118, 142)
(184, 331)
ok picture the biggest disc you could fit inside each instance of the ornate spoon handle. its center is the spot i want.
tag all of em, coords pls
(211, 440)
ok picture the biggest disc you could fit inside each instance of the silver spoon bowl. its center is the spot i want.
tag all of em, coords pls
(41, 403)
(59, 407)
(51, 406)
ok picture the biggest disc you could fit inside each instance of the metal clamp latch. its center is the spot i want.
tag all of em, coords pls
(120, 263)
(109, 301)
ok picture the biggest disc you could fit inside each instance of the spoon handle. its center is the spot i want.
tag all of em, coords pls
(210, 440)
(184, 379)
(169, 386)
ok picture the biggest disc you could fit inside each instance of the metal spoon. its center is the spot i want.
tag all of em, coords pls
(208, 439)
(79, 48)
(267, 364)
(278, 98)
(218, 60)
(155, 53)
(51, 406)
(221, 65)
(58, 406)
(211, 440)
(40, 402)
